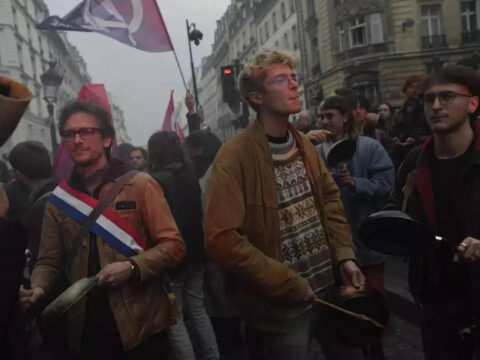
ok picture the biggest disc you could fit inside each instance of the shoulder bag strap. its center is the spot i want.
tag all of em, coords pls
(97, 211)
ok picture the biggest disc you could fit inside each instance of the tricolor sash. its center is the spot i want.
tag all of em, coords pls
(109, 226)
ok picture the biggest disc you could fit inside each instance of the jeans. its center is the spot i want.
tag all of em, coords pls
(188, 290)
(294, 343)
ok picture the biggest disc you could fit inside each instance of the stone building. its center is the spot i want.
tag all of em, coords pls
(24, 55)
(370, 46)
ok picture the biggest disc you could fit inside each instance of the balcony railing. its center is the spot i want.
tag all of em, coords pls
(434, 42)
(366, 50)
(471, 37)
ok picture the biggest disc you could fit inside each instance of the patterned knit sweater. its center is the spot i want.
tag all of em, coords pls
(303, 242)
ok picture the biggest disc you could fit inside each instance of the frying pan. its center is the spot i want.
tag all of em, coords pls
(67, 299)
(14, 99)
(349, 330)
(394, 232)
(341, 152)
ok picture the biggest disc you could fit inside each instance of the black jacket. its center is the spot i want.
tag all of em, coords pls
(183, 194)
(425, 281)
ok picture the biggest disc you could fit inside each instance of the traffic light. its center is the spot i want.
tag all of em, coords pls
(229, 89)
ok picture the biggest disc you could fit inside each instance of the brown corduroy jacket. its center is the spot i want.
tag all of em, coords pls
(140, 308)
(243, 231)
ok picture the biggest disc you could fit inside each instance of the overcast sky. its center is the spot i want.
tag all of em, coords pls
(139, 81)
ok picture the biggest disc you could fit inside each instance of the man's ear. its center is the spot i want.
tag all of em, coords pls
(255, 97)
(107, 141)
(473, 104)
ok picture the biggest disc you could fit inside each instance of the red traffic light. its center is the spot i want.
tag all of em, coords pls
(227, 71)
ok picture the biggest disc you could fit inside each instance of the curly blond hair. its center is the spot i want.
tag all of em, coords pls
(253, 75)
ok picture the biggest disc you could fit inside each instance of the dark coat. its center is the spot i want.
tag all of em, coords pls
(183, 195)
(38, 200)
(425, 281)
(13, 242)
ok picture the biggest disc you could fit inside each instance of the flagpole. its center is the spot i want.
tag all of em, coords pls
(179, 68)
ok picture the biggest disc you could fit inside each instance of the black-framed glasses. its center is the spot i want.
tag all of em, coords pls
(85, 133)
(444, 97)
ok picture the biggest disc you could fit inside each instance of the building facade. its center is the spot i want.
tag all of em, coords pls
(372, 45)
(24, 55)
(245, 27)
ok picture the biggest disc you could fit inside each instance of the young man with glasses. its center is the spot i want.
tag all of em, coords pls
(441, 183)
(274, 218)
(127, 249)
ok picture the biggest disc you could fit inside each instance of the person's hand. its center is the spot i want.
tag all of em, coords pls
(190, 103)
(309, 295)
(318, 136)
(114, 274)
(29, 297)
(4, 203)
(351, 274)
(346, 179)
(469, 249)
(409, 141)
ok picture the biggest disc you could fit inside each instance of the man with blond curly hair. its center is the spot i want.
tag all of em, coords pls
(274, 217)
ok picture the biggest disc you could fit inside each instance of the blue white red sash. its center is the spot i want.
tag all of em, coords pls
(110, 226)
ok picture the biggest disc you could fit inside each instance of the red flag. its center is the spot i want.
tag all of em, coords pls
(170, 122)
(137, 23)
(93, 93)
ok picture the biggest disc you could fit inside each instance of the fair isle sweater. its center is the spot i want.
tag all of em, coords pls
(303, 241)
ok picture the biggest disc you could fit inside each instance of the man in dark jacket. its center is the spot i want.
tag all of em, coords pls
(14, 99)
(440, 185)
(411, 127)
(31, 162)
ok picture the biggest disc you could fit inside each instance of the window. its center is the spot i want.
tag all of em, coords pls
(294, 37)
(260, 34)
(358, 36)
(431, 25)
(15, 18)
(286, 42)
(292, 6)
(341, 38)
(34, 67)
(365, 84)
(283, 12)
(267, 35)
(469, 16)
(376, 28)
(315, 55)
(310, 7)
(274, 21)
(20, 56)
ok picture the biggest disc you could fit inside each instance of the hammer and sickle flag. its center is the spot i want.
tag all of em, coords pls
(137, 23)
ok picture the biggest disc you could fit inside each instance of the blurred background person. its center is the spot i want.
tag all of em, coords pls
(202, 147)
(124, 151)
(385, 119)
(139, 159)
(410, 124)
(365, 182)
(170, 168)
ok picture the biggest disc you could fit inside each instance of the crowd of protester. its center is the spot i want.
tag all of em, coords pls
(204, 250)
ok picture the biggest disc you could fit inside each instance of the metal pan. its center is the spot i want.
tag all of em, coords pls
(393, 232)
(67, 299)
(341, 152)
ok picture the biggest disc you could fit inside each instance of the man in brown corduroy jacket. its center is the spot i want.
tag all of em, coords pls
(274, 217)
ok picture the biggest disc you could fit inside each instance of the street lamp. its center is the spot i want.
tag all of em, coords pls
(195, 36)
(51, 81)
